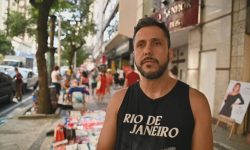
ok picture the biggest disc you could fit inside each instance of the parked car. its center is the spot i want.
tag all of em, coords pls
(30, 79)
(7, 89)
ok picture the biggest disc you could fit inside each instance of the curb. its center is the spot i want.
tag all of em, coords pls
(40, 116)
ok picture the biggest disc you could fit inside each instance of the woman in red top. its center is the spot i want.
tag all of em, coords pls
(100, 91)
(109, 81)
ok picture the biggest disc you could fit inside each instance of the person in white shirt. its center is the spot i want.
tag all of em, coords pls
(56, 79)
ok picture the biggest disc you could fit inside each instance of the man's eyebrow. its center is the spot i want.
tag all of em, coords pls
(155, 39)
(141, 40)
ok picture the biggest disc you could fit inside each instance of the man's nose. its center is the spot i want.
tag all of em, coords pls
(148, 50)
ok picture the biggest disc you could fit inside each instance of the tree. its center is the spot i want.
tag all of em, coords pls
(39, 15)
(75, 29)
(16, 23)
(81, 55)
(43, 7)
(75, 39)
(5, 45)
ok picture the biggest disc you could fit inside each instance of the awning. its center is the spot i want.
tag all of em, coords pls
(115, 42)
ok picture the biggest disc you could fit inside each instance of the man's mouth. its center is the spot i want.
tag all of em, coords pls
(149, 60)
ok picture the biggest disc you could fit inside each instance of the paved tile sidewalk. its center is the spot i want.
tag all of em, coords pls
(30, 134)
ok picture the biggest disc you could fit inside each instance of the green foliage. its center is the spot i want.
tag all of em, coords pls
(76, 27)
(5, 45)
(81, 56)
(32, 20)
(16, 23)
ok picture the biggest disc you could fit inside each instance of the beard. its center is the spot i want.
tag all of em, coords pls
(153, 74)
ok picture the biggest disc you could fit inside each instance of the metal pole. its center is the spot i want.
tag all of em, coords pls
(59, 41)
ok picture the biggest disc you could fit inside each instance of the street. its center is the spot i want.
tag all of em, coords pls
(6, 108)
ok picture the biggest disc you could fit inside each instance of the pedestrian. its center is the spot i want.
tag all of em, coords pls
(19, 84)
(93, 81)
(109, 81)
(116, 78)
(158, 112)
(56, 79)
(101, 86)
(120, 76)
(84, 79)
(132, 77)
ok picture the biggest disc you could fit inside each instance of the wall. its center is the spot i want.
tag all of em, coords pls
(128, 19)
(240, 69)
(214, 34)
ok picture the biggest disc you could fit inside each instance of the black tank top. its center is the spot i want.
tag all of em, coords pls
(166, 123)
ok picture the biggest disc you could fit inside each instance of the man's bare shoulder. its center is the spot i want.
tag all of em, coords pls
(117, 98)
(198, 101)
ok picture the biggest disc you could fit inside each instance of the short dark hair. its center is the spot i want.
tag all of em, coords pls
(16, 69)
(56, 68)
(149, 21)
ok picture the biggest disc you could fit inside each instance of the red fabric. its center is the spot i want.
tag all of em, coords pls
(103, 85)
(132, 78)
(85, 80)
(19, 78)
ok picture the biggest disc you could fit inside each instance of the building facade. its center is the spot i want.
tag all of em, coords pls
(210, 38)
(115, 30)
(23, 45)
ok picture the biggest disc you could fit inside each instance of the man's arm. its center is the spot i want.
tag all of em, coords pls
(108, 134)
(202, 136)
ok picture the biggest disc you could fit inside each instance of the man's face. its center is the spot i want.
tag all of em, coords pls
(151, 52)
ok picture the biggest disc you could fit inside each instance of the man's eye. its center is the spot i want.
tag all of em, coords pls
(140, 45)
(157, 43)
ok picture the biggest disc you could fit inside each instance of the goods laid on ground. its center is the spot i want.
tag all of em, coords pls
(80, 131)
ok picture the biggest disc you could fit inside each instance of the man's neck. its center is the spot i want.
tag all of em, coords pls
(157, 87)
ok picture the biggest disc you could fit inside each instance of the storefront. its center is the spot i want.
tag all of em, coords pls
(211, 46)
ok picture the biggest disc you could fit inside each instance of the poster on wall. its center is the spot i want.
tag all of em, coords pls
(236, 101)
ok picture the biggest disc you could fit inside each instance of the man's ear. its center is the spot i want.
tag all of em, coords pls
(170, 54)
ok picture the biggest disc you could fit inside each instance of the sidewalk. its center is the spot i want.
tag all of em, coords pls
(221, 141)
(30, 134)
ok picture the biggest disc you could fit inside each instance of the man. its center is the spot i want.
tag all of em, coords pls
(19, 83)
(159, 112)
(131, 78)
(56, 79)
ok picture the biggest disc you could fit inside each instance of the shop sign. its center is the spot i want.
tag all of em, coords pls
(179, 14)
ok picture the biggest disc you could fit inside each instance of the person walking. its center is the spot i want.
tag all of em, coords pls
(132, 77)
(19, 84)
(110, 81)
(101, 88)
(158, 112)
